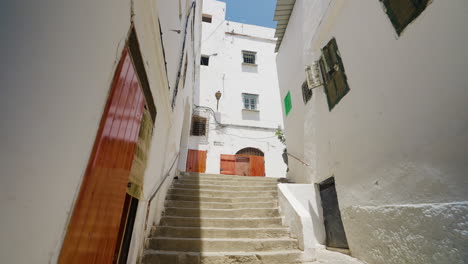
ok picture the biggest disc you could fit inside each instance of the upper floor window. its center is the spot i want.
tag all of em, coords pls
(336, 83)
(250, 101)
(206, 18)
(403, 12)
(199, 126)
(249, 56)
(204, 60)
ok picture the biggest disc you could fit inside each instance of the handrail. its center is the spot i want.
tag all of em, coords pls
(298, 159)
(165, 177)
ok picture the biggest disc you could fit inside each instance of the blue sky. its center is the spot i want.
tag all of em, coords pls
(255, 12)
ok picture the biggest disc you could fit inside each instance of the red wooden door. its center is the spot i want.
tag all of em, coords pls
(94, 226)
(257, 166)
(196, 161)
(228, 164)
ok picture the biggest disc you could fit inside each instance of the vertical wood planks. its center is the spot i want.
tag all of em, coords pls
(93, 230)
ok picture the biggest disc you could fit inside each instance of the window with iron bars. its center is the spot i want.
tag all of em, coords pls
(199, 126)
(250, 101)
(249, 56)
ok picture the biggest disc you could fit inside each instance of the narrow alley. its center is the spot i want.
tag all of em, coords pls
(234, 131)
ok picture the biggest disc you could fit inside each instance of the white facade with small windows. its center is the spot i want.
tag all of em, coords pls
(397, 141)
(242, 67)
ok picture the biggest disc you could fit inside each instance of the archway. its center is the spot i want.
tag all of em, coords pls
(250, 152)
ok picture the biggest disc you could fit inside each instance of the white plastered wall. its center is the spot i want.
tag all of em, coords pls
(397, 143)
(59, 64)
(223, 41)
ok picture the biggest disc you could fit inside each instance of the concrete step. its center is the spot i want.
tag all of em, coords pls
(207, 176)
(223, 245)
(197, 232)
(220, 205)
(223, 194)
(264, 222)
(202, 199)
(275, 257)
(224, 187)
(225, 213)
(226, 182)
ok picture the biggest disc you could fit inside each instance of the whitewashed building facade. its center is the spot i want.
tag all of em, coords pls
(387, 131)
(52, 111)
(238, 60)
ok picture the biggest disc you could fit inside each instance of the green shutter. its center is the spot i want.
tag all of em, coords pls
(287, 103)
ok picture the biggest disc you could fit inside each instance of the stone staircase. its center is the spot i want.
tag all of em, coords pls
(212, 218)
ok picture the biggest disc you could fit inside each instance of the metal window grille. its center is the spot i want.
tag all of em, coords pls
(199, 126)
(204, 60)
(250, 101)
(249, 57)
(250, 152)
(207, 18)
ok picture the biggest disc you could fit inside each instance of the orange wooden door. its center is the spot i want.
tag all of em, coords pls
(196, 161)
(228, 164)
(94, 226)
(257, 166)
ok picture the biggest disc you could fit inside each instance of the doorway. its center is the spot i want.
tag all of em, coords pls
(246, 162)
(105, 209)
(196, 161)
(334, 228)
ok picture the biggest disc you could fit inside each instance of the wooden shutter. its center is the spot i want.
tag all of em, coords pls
(228, 164)
(336, 85)
(403, 12)
(94, 226)
(257, 166)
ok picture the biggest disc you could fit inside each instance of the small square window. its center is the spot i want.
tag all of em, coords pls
(249, 57)
(199, 125)
(250, 101)
(204, 60)
(206, 18)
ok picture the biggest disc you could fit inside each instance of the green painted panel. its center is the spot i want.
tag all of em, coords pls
(287, 103)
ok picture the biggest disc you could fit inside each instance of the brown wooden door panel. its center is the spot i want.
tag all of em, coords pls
(94, 226)
(196, 161)
(228, 164)
(257, 166)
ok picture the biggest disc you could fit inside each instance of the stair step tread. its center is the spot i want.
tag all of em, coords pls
(226, 239)
(227, 228)
(229, 177)
(210, 253)
(232, 198)
(223, 218)
(236, 203)
(223, 187)
(289, 256)
(226, 182)
(221, 210)
(222, 191)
